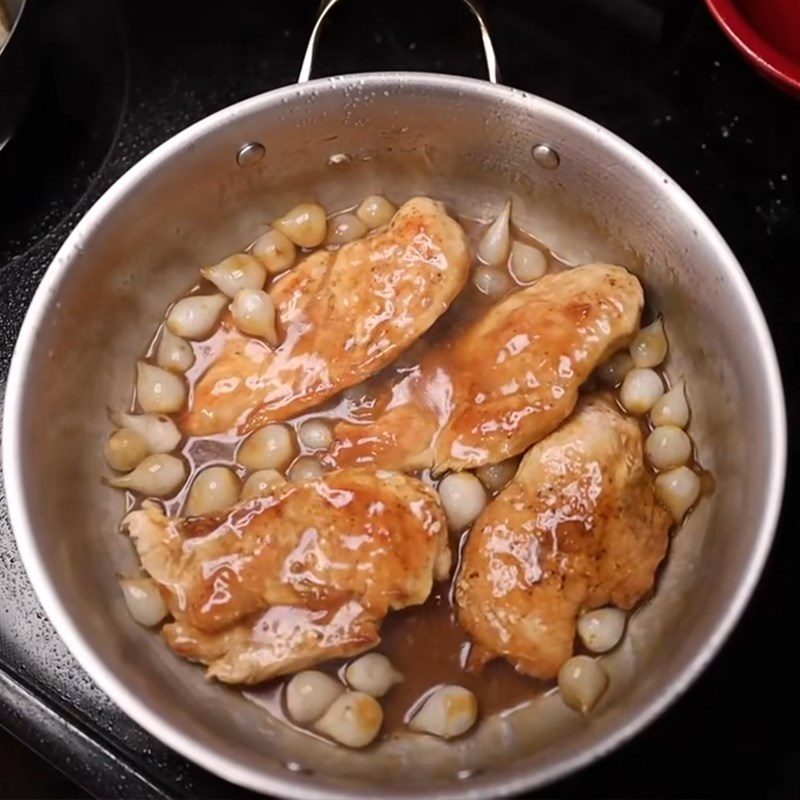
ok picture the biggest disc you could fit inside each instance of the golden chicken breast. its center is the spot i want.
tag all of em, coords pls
(506, 382)
(577, 528)
(344, 315)
(316, 564)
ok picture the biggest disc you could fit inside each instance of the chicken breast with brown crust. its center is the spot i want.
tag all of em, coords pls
(506, 382)
(577, 528)
(343, 315)
(317, 564)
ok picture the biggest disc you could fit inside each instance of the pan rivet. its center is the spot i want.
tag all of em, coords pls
(545, 156)
(249, 154)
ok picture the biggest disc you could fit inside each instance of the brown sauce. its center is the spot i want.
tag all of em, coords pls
(425, 643)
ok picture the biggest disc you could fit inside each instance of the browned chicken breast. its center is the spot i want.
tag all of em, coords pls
(506, 382)
(577, 528)
(299, 576)
(344, 315)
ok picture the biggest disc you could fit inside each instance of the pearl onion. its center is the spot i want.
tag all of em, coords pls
(448, 712)
(261, 483)
(375, 211)
(495, 476)
(270, 447)
(491, 282)
(253, 313)
(213, 489)
(372, 674)
(195, 317)
(640, 390)
(601, 630)
(310, 694)
(156, 476)
(672, 408)
(125, 449)
(463, 498)
(649, 348)
(275, 251)
(678, 490)
(157, 390)
(528, 263)
(159, 432)
(668, 446)
(345, 228)
(494, 245)
(613, 371)
(144, 600)
(582, 681)
(353, 719)
(315, 434)
(237, 272)
(305, 224)
(306, 468)
(174, 353)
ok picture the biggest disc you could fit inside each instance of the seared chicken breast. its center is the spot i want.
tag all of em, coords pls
(506, 382)
(298, 576)
(577, 528)
(343, 315)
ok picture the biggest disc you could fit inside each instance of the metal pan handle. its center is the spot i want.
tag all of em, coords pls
(475, 6)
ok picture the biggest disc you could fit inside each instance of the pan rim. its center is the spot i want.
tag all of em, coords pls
(508, 780)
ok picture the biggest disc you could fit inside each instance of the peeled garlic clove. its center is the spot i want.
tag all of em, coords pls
(678, 490)
(261, 483)
(345, 228)
(195, 317)
(174, 353)
(353, 720)
(528, 263)
(372, 674)
(463, 498)
(315, 434)
(270, 447)
(160, 432)
(649, 348)
(144, 600)
(613, 371)
(449, 712)
(305, 224)
(275, 251)
(672, 408)
(494, 246)
(310, 694)
(668, 446)
(237, 272)
(159, 391)
(254, 314)
(306, 468)
(495, 476)
(158, 475)
(125, 450)
(375, 211)
(601, 630)
(491, 282)
(582, 681)
(213, 489)
(640, 390)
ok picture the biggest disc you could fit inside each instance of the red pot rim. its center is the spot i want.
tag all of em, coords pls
(758, 49)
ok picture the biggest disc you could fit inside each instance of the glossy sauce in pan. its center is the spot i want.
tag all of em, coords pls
(424, 643)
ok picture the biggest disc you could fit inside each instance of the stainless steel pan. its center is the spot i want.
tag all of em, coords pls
(202, 195)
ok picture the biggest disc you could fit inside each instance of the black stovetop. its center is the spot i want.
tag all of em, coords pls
(121, 77)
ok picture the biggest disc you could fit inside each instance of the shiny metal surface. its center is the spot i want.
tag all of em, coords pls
(250, 154)
(475, 7)
(545, 156)
(189, 203)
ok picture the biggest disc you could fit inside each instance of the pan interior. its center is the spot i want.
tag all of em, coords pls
(338, 140)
